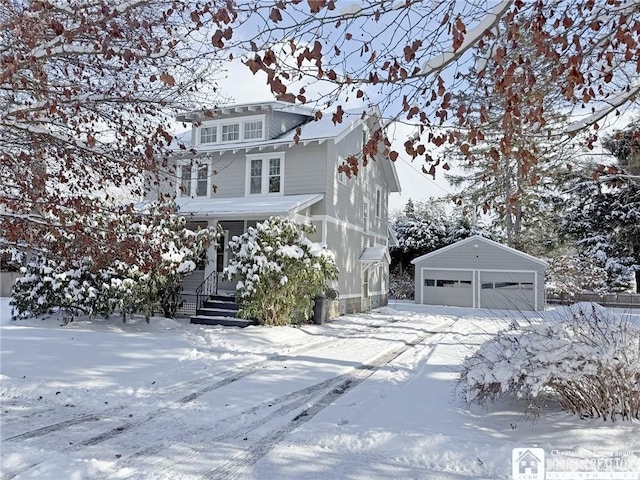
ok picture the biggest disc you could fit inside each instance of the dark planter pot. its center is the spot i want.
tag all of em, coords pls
(320, 309)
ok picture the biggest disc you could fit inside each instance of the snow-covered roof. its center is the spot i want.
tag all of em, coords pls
(320, 131)
(375, 254)
(275, 105)
(479, 238)
(313, 131)
(246, 208)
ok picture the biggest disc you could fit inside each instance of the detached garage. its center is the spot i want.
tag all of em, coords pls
(479, 273)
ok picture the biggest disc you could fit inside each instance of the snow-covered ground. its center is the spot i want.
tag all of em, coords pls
(368, 396)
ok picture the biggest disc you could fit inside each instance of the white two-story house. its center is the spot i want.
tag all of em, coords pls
(244, 164)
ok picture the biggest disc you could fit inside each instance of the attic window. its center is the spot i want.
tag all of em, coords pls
(230, 132)
(226, 130)
(208, 134)
(253, 130)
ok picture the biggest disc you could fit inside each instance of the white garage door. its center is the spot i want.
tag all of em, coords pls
(447, 287)
(507, 290)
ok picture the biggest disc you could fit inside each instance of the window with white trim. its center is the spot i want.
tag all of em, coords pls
(378, 202)
(274, 175)
(185, 181)
(202, 181)
(239, 129)
(230, 132)
(209, 134)
(264, 174)
(252, 130)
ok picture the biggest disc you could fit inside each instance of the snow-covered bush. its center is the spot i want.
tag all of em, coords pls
(279, 271)
(401, 284)
(588, 361)
(143, 275)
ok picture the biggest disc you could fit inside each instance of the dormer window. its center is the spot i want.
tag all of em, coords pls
(253, 130)
(243, 129)
(230, 132)
(209, 134)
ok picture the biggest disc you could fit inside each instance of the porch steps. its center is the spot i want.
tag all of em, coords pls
(220, 310)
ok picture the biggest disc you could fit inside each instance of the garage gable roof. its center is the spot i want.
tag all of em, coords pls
(481, 239)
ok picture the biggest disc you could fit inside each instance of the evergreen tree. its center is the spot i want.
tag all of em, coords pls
(604, 222)
(421, 227)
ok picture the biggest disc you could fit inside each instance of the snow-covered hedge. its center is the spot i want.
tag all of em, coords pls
(279, 271)
(142, 275)
(589, 361)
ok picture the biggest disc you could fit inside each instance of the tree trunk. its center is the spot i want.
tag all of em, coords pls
(637, 275)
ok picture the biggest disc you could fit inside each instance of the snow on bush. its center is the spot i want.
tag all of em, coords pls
(589, 361)
(279, 271)
(142, 275)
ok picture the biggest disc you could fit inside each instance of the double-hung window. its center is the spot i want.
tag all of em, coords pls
(378, 202)
(185, 181)
(202, 182)
(265, 174)
(188, 183)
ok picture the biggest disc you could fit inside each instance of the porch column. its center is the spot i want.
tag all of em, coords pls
(210, 266)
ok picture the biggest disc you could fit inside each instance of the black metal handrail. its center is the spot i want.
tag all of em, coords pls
(207, 288)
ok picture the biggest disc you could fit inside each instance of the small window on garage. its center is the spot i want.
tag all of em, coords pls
(526, 286)
(465, 283)
(507, 285)
(447, 283)
(487, 286)
(429, 282)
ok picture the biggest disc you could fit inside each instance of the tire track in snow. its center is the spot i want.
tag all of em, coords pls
(227, 378)
(315, 398)
(123, 428)
(236, 468)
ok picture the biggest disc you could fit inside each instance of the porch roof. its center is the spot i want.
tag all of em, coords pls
(247, 208)
(375, 254)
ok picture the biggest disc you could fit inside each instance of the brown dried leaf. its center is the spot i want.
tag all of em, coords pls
(167, 79)
(275, 15)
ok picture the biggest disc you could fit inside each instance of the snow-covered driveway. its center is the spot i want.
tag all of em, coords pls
(366, 396)
(214, 421)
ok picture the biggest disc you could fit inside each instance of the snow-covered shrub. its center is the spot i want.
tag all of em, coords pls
(279, 271)
(143, 275)
(589, 361)
(402, 285)
(48, 285)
